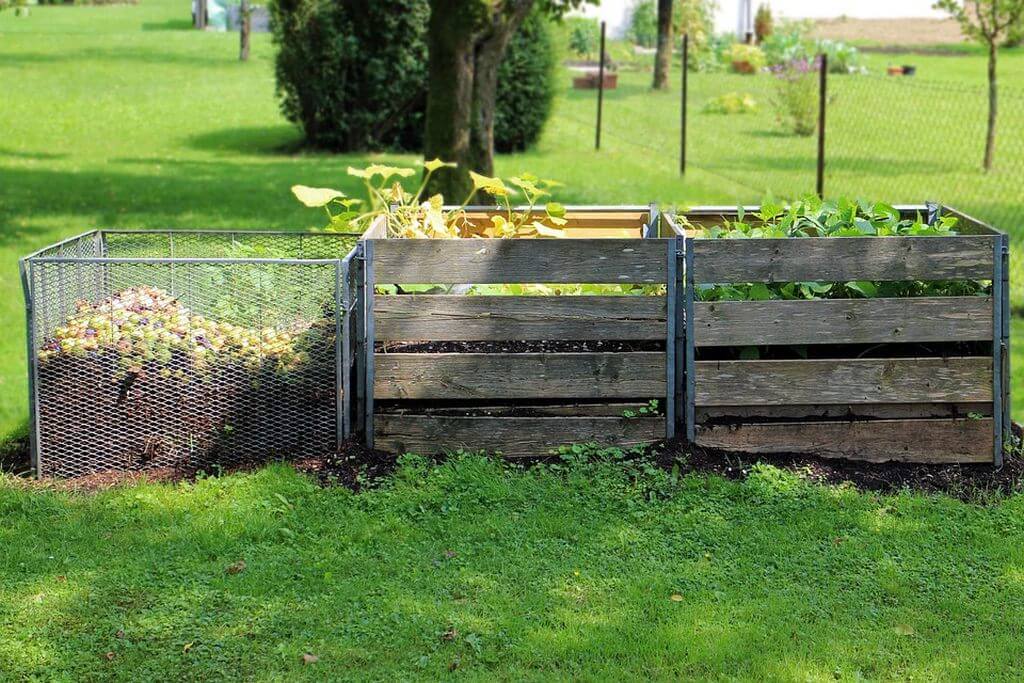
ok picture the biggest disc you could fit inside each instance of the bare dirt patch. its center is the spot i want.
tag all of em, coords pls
(890, 33)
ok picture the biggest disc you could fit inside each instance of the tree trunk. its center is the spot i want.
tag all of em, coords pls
(465, 53)
(663, 56)
(244, 29)
(990, 133)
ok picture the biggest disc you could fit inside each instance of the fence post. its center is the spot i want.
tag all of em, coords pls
(997, 352)
(683, 95)
(369, 329)
(690, 351)
(822, 106)
(244, 29)
(600, 89)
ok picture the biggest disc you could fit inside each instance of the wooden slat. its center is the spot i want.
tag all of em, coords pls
(485, 318)
(530, 409)
(924, 441)
(495, 261)
(602, 220)
(878, 411)
(862, 380)
(842, 321)
(518, 375)
(843, 259)
(512, 436)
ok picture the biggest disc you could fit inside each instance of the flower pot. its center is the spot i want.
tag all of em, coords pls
(894, 70)
(590, 81)
(743, 67)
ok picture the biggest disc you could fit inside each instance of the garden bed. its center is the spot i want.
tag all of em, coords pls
(920, 377)
(572, 349)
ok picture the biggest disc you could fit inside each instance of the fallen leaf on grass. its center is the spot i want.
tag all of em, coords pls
(451, 634)
(61, 578)
(904, 629)
(676, 597)
(109, 656)
(120, 633)
(308, 658)
(236, 568)
(449, 554)
(188, 646)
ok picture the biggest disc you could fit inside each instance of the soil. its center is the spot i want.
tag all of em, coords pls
(902, 33)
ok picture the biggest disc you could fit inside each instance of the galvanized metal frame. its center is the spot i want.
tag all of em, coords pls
(671, 304)
(997, 352)
(368, 343)
(690, 416)
(25, 269)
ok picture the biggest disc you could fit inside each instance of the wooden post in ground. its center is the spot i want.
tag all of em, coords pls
(245, 29)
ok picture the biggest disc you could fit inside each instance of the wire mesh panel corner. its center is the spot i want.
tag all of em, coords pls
(188, 350)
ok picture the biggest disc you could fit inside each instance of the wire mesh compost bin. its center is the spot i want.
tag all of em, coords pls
(187, 349)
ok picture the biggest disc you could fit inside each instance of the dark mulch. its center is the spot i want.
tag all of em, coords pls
(354, 466)
(971, 483)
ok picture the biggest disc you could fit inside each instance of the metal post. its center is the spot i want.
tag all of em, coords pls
(341, 394)
(650, 229)
(359, 338)
(997, 351)
(369, 342)
(671, 294)
(600, 89)
(822, 106)
(1007, 382)
(684, 95)
(25, 267)
(690, 418)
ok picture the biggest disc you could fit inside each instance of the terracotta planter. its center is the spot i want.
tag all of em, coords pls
(590, 81)
(743, 67)
(894, 71)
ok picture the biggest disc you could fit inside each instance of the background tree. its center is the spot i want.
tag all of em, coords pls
(989, 22)
(466, 41)
(663, 55)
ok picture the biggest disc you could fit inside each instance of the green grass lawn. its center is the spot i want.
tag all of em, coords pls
(123, 117)
(600, 572)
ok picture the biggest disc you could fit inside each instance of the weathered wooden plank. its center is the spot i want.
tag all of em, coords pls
(531, 409)
(842, 321)
(512, 436)
(495, 261)
(843, 259)
(577, 220)
(485, 318)
(879, 411)
(518, 375)
(924, 441)
(860, 380)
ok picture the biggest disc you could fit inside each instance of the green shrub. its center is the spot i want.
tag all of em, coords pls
(731, 103)
(796, 97)
(745, 58)
(526, 86)
(584, 36)
(643, 24)
(353, 75)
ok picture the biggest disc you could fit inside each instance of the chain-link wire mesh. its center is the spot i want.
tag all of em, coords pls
(225, 354)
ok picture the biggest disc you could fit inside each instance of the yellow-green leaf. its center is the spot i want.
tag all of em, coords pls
(435, 164)
(547, 231)
(315, 196)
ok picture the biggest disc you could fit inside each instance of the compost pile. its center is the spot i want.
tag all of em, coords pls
(139, 381)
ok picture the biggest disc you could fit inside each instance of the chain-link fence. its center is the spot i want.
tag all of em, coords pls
(899, 139)
(189, 350)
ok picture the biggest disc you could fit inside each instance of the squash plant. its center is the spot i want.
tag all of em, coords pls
(410, 215)
(813, 217)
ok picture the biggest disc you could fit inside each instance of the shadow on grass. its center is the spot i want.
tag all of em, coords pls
(269, 140)
(169, 25)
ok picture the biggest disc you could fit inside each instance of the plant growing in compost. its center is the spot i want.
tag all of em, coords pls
(813, 217)
(411, 215)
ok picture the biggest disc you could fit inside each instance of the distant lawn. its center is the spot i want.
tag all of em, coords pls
(122, 116)
(600, 572)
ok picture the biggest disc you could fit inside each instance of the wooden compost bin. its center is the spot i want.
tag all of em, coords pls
(522, 398)
(917, 401)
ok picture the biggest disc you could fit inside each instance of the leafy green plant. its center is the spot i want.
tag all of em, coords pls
(813, 217)
(731, 103)
(795, 96)
(583, 36)
(411, 215)
(748, 59)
